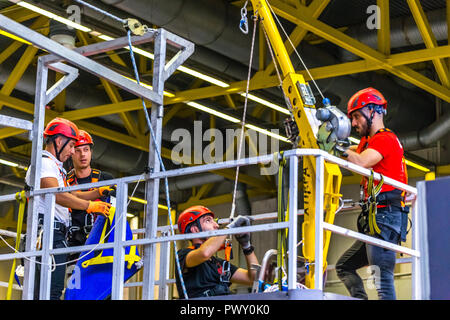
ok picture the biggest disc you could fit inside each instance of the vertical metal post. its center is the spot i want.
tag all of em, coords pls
(47, 244)
(164, 269)
(420, 267)
(318, 263)
(293, 208)
(35, 178)
(119, 237)
(152, 187)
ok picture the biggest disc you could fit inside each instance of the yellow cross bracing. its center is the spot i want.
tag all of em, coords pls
(306, 19)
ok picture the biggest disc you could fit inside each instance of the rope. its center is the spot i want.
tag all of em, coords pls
(280, 217)
(280, 86)
(21, 198)
(233, 205)
(166, 182)
(295, 50)
(53, 264)
(123, 21)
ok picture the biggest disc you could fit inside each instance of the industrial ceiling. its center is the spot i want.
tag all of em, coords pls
(335, 38)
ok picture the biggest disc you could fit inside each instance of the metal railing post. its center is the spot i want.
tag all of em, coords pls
(152, 187)
(120, 218)
(318, 263)
(293, 204)
(47, 244)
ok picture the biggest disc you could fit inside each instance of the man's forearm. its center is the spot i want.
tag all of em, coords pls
(251, 259)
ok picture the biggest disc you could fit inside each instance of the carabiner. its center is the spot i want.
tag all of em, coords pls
(243, 24)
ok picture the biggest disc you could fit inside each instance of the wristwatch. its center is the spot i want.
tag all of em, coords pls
(248, 251)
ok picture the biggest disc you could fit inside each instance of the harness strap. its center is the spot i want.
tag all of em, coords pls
(373, 192)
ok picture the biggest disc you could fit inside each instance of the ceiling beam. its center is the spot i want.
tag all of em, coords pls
(303, 18)
(429, 39)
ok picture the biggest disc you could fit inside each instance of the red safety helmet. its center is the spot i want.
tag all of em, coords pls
(191, 215)
(84, 138)
(365, 97)
(63, 127)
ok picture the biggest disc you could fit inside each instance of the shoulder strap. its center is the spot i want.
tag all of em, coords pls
(95, 175)
(71, 178)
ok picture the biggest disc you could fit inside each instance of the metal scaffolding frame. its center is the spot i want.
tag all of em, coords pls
(78, 58)
(162, 71)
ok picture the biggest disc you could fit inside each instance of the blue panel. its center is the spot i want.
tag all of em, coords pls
(438, 220)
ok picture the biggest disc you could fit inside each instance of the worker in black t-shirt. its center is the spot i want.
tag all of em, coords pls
(83, 173)
(204, 274)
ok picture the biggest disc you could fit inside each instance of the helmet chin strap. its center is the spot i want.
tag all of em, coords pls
(372, 109)
(58, 152)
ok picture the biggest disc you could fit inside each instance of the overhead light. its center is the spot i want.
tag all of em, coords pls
(213, 112)
(203, 76)
(13, 161)
(267, 103)
(184, 69)
(53, 16)
(9, 163)
(267, 132)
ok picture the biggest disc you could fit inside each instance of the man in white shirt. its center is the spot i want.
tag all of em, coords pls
(60, 137)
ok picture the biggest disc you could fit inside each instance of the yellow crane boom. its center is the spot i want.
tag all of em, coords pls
(299, 94)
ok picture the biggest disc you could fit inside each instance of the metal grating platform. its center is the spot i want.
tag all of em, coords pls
(295, 294)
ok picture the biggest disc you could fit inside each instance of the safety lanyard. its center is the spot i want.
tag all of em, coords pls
(226, 273)
(373, 192)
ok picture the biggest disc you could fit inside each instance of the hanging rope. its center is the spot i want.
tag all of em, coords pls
(53, 264)
(295, 50)
(233, 204)
(163, 169)
(21, 198)
(281, 218)
(123, 21)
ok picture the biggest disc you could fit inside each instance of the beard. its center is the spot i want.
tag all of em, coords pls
(364, 130)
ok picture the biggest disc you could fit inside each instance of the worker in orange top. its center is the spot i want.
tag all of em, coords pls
(82, 173)
(381, 151)
(60, 137)
(204, 274)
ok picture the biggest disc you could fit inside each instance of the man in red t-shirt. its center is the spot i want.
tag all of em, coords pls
(381, 151)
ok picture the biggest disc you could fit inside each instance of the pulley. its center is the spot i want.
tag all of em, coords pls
(136, 28)
(335, 128)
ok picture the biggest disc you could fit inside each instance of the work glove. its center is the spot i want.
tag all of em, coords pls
(242, 238)
(107, 191)
(340, 149)
(99, 207)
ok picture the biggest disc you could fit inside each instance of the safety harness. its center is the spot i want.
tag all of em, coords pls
(88, 217)
(376, 200)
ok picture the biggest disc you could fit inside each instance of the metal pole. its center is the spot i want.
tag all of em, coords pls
(318, 264)
(415, 276)
(420, 267)
(164, 269)
(152, 187)
(35, 177)
(47, 244)
(120, 218)
(292, 241)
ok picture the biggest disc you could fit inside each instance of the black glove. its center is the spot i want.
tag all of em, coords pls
(340, 149)
(291, 129)
(107, 191)
(242, 238)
